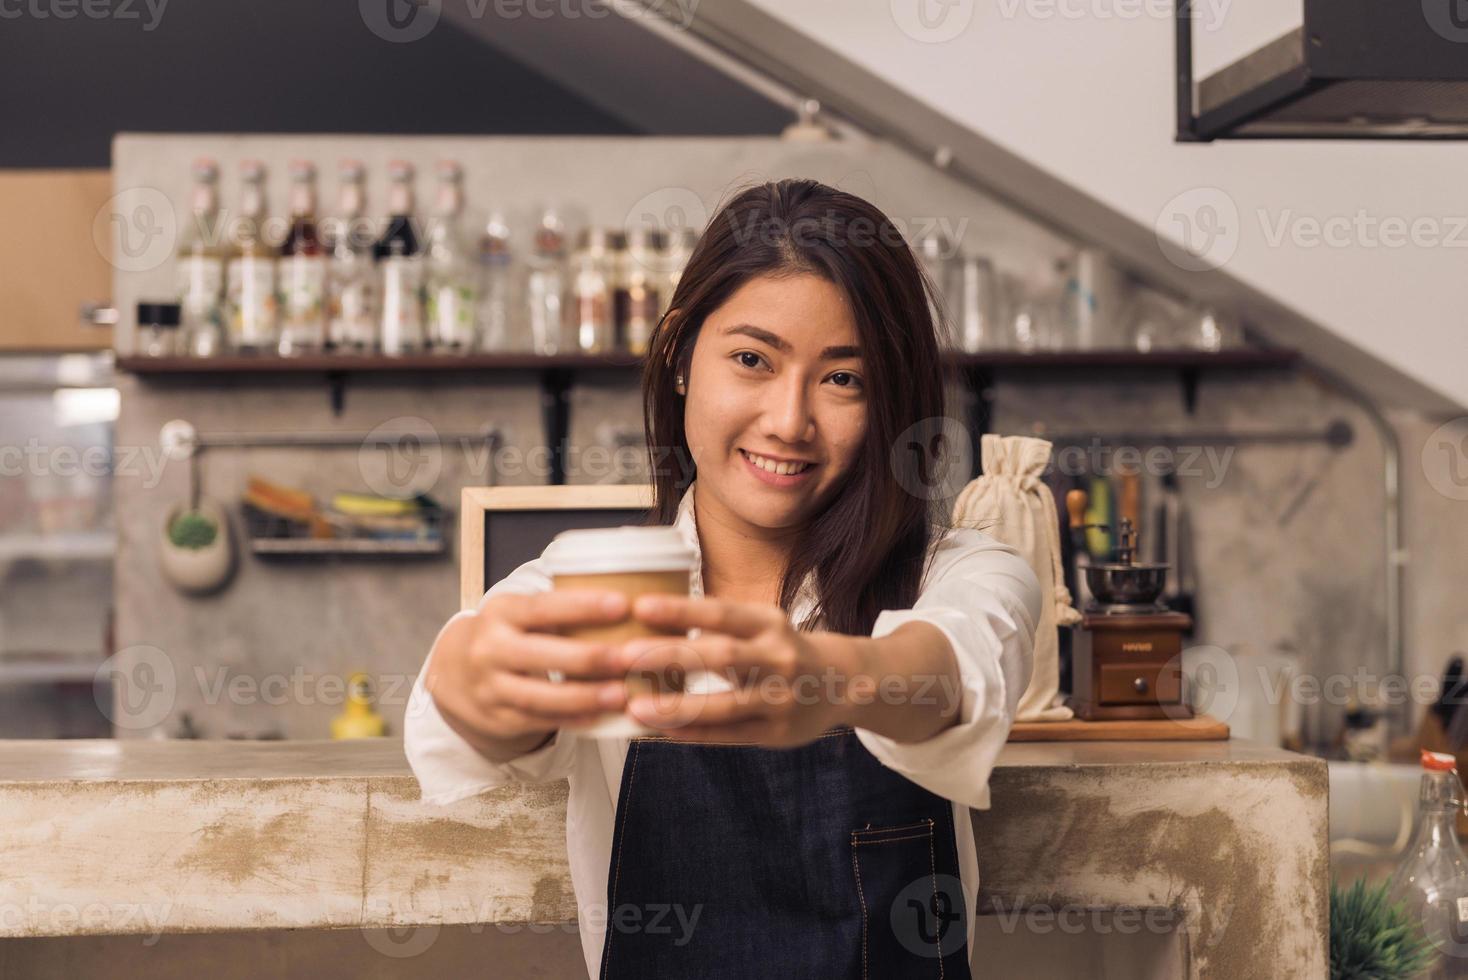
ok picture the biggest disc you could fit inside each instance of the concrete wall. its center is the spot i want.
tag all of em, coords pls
(1310, 584)
(297, 627)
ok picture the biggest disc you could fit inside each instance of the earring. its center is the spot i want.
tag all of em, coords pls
(681, 385)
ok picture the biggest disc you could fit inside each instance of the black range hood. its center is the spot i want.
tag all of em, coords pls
(1355, 69)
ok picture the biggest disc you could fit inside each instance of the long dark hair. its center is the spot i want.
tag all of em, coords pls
(869, 544)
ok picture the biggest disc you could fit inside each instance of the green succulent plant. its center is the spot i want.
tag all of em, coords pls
(192, 530)
(1372, 938)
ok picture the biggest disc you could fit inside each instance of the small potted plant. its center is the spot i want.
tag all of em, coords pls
(1372, 939)
(196, 553)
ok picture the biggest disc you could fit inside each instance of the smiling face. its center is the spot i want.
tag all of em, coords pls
(776, 405)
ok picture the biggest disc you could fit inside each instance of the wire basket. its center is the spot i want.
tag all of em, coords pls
(330, 533)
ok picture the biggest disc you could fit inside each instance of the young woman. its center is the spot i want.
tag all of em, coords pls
(815, 826)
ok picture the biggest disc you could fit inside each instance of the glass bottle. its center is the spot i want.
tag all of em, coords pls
(1432, 879)
(400, 225)
(401, 326)
(301, 269)
(642, 276)
(675, 259)
(400, 264)
(351, 280)
(200, 265)
(545, 285)
(250, 276)
(493, 318)
(593, 281)
(450, 284)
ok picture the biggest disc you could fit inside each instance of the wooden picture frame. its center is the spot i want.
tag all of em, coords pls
(477, 502)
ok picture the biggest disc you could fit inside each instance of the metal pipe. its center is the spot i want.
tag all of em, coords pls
(1396, 557)
(181, 440)
(337, 440)
(1338, 434)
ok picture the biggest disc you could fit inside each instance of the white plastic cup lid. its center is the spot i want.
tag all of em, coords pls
(596, 551)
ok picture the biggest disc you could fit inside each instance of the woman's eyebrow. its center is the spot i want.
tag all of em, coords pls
(835, 352)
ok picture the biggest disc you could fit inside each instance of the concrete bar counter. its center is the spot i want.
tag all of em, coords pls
(1216, 849)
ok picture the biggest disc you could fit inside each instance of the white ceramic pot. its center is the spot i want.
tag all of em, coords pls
(197, 570)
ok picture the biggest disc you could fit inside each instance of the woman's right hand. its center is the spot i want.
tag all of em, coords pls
(487, 674)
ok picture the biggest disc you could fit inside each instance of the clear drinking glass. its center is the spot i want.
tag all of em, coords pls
(978, 305)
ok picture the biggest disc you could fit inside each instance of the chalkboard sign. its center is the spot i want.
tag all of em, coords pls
(501, 528)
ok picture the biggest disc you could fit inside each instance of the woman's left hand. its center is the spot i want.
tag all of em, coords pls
(788, 686)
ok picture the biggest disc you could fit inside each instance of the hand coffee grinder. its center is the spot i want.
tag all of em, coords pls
(1127, 655)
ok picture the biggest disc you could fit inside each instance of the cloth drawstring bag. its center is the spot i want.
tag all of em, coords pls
(1011, 502)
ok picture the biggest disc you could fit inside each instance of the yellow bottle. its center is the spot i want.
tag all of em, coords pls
(358, 719)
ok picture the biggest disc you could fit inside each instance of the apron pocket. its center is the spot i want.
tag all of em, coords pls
(903, 912)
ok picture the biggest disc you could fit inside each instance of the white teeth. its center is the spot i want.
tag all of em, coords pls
(783, 469)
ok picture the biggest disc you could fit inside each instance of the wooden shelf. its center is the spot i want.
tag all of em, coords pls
(357, 363)
(329, 363)
(1199, 728)
(1244, 357)
(557, 373)
(350, 548)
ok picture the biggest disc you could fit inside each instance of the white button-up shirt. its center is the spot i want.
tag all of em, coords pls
(977, 590)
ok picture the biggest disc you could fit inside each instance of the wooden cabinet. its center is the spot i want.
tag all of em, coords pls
(49, 264)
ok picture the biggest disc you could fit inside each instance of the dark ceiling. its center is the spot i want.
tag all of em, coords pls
(284, 66)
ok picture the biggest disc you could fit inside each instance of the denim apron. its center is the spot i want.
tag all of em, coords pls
(738, 861)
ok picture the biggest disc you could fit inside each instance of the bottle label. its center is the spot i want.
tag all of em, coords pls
(199, 283)
(252, 303)
(1463, 909)
(352, 287)
(303, 283)
(402, 309)
(451, 312)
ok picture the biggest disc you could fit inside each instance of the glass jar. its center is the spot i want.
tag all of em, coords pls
(499, 329)
(1207, 329)
(158, 334)
(545, 286)
(642, 278)
(978, 316)
(593, 284)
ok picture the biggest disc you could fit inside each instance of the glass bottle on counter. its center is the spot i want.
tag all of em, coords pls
(301, 269)
(401, 268)
(200, 266)
(1432, 880)
(351, 282)
(450, 283)
(250, 275)
(643, 280)
(592, 284)
(493, 318)
(545, 285)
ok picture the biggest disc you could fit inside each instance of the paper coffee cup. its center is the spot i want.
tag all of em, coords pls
(634, 561)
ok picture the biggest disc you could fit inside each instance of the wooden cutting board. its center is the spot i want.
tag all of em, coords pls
(1199, 728)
